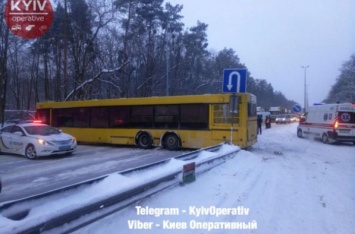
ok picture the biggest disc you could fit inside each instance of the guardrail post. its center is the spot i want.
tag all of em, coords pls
(188, 173)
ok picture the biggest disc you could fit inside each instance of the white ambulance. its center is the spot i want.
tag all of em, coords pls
(330, 122)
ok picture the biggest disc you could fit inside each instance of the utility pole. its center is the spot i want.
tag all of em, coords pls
(305, 106)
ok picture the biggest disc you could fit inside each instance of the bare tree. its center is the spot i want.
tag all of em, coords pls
(4, 46)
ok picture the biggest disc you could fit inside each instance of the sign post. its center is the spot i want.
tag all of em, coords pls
(234, 81)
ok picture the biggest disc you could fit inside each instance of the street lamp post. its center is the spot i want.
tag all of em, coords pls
(305, 87)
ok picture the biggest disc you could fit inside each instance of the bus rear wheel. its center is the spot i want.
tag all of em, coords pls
(144, 140)
(172, 142)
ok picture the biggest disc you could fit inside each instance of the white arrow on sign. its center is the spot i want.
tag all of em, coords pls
(230, 86)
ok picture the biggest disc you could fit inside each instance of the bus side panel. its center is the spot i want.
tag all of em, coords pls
(88, 135)
(219, 136)
(189, 138)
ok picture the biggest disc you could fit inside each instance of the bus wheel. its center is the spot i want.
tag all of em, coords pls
(299, 133)
(325, 138)
(144, 140)
(172, 142)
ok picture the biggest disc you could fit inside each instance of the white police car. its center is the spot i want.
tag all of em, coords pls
(34, 140)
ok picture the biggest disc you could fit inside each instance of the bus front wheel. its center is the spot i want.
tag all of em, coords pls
(172, 142)
(144, 140)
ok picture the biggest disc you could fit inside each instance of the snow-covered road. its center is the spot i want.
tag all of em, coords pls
(22, 177)
(282, 185)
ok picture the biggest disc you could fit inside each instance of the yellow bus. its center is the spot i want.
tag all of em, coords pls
(172, 122)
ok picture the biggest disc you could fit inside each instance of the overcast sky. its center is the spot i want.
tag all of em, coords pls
(274, 38)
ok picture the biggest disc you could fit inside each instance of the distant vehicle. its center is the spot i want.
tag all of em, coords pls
(283, 119)
(274, 112)
(172, 122)
(35, 140)
(330, 122)
(295, 118)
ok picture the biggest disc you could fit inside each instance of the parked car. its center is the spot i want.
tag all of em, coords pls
(35, 140)
(283, 119)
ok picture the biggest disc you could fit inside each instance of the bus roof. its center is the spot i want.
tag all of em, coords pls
(186, 99)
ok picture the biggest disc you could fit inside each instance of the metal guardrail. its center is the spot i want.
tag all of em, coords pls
(115, 202)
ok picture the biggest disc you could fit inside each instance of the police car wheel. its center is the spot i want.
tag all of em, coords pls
(30, 152)
(325, 138)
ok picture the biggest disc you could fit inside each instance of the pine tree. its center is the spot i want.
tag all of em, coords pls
(344, 88)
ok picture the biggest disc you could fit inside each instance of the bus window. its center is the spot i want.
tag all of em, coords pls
(142, 116)
(99, 117)
(62, 117)
(119, 117)
(222, 114)
(166, 116)
(252, 110)
(194, 116)
(81, 117)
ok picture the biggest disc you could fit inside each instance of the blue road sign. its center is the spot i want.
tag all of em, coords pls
(296, 108)
(235, 80)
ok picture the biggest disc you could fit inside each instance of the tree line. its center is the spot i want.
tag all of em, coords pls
(116, 49)
(344, 88)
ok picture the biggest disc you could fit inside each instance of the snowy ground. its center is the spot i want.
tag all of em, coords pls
(284, 185)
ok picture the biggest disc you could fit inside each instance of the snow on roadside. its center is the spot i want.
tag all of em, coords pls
(284, 184)
(53, 206)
